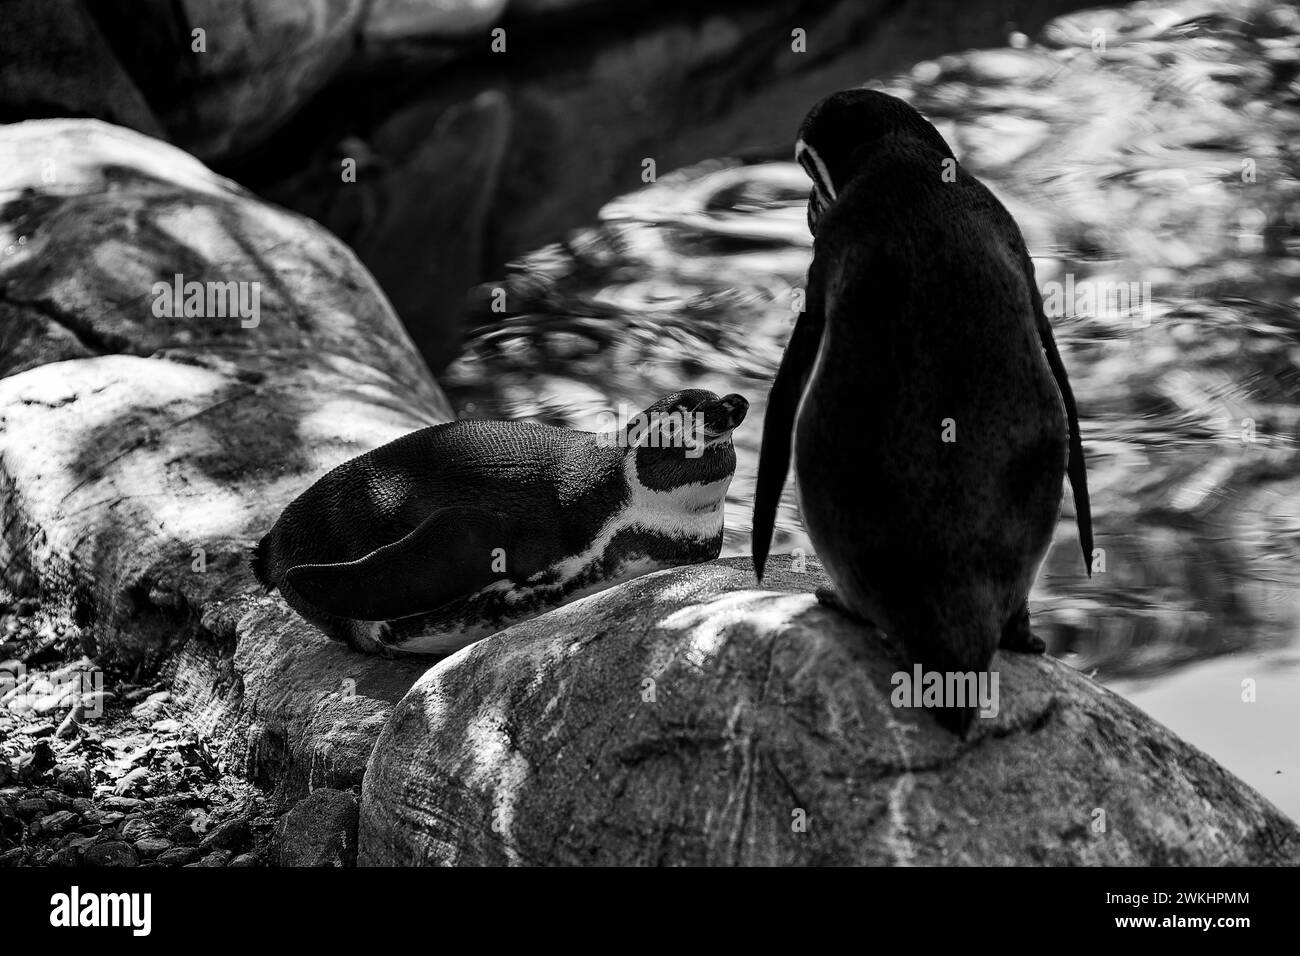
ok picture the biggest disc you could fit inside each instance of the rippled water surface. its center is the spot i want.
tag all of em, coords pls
(1167, 159)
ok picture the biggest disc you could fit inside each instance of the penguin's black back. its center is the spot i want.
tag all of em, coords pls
(929, 315)
(521, 471)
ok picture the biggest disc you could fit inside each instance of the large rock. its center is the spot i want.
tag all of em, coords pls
(141, 455)
(440, 168)
(55, 62)
(687, 718)
(257, 63)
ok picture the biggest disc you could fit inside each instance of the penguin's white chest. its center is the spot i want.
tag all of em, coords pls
(687, 517)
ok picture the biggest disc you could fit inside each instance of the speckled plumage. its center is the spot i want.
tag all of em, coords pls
(455, 531)
(921, 307)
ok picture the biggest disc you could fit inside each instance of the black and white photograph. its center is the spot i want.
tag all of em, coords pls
(586, 434)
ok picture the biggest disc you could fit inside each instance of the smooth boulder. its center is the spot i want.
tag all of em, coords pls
(687, 717)
(142, 453)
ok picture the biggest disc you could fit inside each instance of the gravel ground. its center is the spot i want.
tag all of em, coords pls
(101, 768)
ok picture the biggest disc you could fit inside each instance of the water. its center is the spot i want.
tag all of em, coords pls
(1166, 160)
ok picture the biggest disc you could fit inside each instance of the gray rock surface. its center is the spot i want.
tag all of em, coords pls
(111, 853)
(419, 19)
(141, 456)
(260, 61)
(688, 718)
(321, 830)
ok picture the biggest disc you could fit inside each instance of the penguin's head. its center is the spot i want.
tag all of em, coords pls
(843, 130)
(685, 439)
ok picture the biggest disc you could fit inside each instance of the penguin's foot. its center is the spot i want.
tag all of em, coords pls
(827, 597)
(1017, 636)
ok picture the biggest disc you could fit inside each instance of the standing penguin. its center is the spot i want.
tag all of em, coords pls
(453, 532)
(931, 415)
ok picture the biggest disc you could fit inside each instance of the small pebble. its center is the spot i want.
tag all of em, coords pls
(76, 839)
(71, 725)
(58, 821)
(35, 730)
(48, 703)
(138, 827)
(31, 807)
(93, 703)
(105, 818)
(37, 762)
(131, 780)
(123, 803)
(182, 833)
(111, 853)
(75, 781)
(178, 856)
(151, 845)
(68, 856)
(227, 835)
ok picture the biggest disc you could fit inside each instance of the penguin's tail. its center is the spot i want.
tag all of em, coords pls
(953, 633)
(956, 719)
(257, 561)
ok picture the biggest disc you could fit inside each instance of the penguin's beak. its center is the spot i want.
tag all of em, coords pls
(724, 415)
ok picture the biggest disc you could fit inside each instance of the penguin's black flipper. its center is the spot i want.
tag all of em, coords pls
(778, 424)
(1077, 469)
(450, 555)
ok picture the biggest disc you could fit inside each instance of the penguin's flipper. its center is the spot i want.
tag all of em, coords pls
(1077, 469)
(778, 424)
(450, 555)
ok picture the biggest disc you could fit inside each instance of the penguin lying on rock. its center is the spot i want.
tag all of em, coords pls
(453, 532)
(931, 417)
